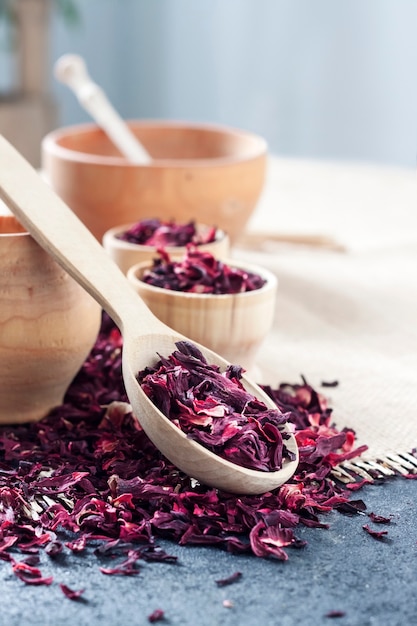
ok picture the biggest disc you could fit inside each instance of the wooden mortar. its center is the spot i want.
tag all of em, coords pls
(48, 325)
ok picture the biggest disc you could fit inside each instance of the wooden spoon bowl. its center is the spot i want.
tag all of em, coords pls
(60, 232)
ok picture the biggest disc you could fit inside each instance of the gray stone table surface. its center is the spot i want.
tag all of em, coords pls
(343, 575)
(342, 570)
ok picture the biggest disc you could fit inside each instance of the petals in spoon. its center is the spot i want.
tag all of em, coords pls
(59, 231)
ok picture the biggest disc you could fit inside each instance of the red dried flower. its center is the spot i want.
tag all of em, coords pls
(199, 272)
(29, 574)
(376, 534)
(229, 580)
(156, 616)
(70, 593)
(379, 519)
(160, 234)
(88, 468)
(335, 614)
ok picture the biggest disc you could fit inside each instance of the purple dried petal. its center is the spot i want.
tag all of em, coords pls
(7, 542)
(222, 582)
(156, 616)
(358, 484)
(54, 548)
(351, 507)
(199, 272)
(158, 233)
(335, 614)
(32, 559)
(376, 534)
(379, 519)
(78, 545)
(61, 483)
(126, 567)
(70, 593)
(268, 541)
(29, 574)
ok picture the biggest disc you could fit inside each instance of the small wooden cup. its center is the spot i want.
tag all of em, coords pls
(127, 254)
(233, 326)
(48, 325)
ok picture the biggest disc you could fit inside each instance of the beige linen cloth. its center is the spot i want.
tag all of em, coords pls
(349, 315)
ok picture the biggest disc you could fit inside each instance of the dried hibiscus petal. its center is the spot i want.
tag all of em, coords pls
(269, 540)
(376, 534)
(379, 519)
(222, 582)
(156, 616)
(199, 272)
(87, 475)
(353, 507)
(335, 614)
(54, 548)
(126, 567)
(71, 593)
(29, 574)
(214, 409)
(159, 233)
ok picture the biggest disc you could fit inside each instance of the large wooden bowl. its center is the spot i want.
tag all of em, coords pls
(232, 325)
(210, 174)
(48, 325)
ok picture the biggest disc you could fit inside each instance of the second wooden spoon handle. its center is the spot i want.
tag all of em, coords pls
(71, 70)
(260, 239)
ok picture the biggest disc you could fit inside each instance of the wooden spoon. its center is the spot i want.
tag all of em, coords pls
(71, 70)
(59, 231)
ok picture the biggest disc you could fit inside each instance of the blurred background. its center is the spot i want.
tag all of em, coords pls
(318, 79)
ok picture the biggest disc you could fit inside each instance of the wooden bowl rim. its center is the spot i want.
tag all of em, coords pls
(271, 283)
(51, 145)
(15, 224)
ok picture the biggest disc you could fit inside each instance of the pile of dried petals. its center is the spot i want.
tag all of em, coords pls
(87, 475)
(199, 272)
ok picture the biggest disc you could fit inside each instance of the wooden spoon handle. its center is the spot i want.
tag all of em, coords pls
(59, 231)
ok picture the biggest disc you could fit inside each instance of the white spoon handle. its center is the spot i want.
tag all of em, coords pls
(71, 70)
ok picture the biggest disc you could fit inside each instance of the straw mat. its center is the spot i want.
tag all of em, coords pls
(348, 316)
